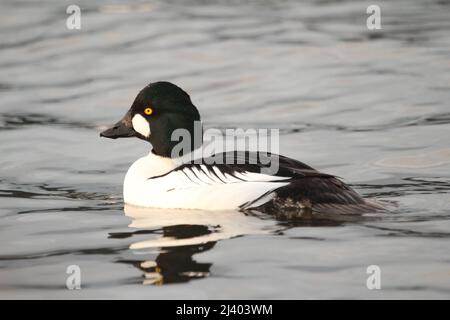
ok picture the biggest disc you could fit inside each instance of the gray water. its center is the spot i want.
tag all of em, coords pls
(372, 107)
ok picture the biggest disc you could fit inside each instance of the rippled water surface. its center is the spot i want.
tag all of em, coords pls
(372, 107)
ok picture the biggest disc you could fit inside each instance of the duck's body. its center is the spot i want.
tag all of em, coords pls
(154, 181)
(160, 180)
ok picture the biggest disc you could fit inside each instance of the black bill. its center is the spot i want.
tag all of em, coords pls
(122, 129)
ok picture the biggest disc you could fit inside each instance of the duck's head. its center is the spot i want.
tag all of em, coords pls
(158, 110)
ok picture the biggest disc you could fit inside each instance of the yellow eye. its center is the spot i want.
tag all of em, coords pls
(148, 111)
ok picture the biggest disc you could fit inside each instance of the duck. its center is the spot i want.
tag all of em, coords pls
(161, 180)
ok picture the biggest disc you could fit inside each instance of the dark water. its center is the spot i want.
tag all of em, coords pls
(372, 107)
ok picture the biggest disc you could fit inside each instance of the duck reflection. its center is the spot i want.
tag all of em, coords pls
(173, 237)
(165, 241)
(176, 264)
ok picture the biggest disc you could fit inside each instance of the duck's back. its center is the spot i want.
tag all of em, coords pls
(306, 188)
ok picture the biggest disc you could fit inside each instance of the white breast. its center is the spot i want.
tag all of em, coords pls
(192, 188)
(139, 172)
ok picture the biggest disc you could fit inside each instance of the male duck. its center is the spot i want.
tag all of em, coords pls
(159, 180)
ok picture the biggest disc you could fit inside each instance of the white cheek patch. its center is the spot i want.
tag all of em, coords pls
(141, 125)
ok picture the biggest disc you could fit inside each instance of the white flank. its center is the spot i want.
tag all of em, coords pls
(141, 125)
(192, 188)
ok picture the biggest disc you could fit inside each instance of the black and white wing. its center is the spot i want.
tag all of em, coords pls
(307, 187)
(210, 187)
(240, 181)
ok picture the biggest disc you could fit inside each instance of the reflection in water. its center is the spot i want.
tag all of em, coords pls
(177, 235)
(176, 264)
(173, 237)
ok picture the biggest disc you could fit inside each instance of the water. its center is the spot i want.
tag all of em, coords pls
(369, 106)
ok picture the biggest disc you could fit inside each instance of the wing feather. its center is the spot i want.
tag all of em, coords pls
(295, 185)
